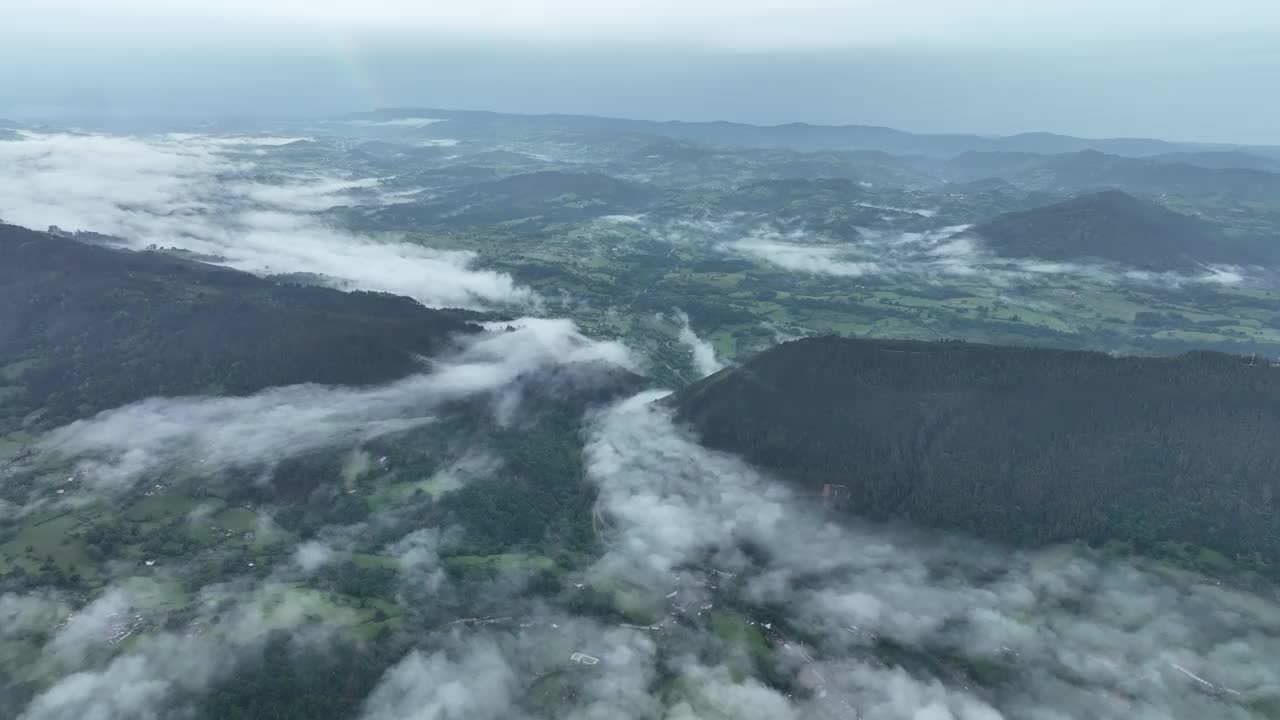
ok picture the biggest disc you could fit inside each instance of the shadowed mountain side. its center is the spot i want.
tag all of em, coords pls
(84, 328)
(1021, 445)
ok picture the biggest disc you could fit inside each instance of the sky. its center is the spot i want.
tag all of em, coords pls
(1175, 69)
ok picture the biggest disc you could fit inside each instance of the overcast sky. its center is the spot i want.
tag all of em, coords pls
(1178, 69)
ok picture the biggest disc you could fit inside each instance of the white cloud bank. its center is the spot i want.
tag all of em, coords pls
(199, 193)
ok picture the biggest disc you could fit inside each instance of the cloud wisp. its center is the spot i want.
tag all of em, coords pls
(412, 123)
(704, 353)
(789, 254)
(118, 446)
(208, 195)
(940, 253)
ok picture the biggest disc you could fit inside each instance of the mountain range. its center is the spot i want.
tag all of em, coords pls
(802, 136)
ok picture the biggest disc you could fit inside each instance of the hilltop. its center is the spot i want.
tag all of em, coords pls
(1109, 225)
(1021, 445)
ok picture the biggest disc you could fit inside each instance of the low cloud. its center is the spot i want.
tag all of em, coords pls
(21, 614)
(474, 683)
(945, 252)
(134, 686)
(704, 353)
(235, 141)
(714, 692)
(620, 219)
(941, 252)
(408, 122)
(789, 254)
(303, 194)
(159, 673)
(922, 212)
(311, 556)
(93, 622)
(212, 433)
(208, 195)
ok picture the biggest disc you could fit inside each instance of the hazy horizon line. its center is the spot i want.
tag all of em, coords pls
(68, 118)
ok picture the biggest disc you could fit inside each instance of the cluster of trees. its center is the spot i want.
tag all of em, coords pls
(49, 574)
(351, 579)
(291, 678)
(539, 499)
(1021, 445)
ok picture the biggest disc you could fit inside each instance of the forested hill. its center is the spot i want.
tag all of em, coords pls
(1021, 445)
(85, 327)
(1112, 225)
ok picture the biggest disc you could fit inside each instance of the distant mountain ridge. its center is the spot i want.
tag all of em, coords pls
(1181, 174)
(1021, 445)
(806, 136)
(1221, 160)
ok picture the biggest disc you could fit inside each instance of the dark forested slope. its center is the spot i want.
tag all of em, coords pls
(83, 328)
(1112, 225)
(1017, 444)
